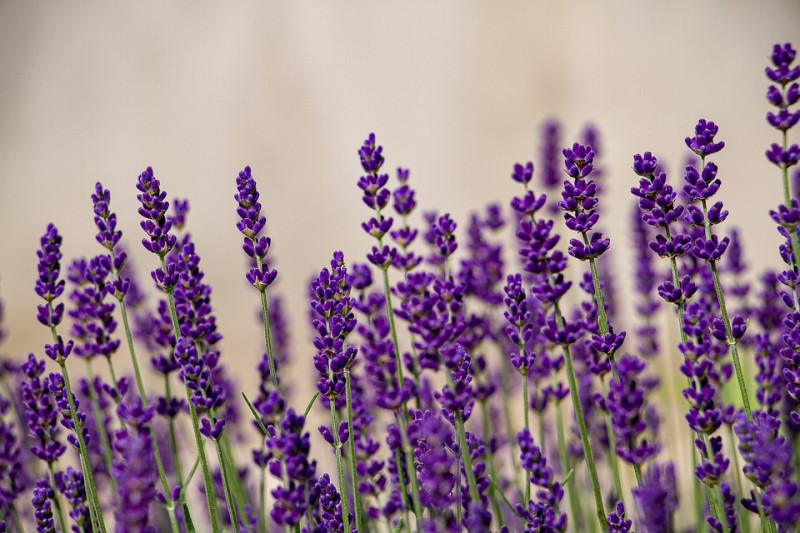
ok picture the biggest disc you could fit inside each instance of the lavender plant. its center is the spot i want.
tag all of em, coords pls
(429, 430)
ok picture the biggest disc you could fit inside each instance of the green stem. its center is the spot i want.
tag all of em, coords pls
(352, 446)
(721, 301)
(402, 420)
(207, 481)
(462, 436)
(17, 523)
(637, 470)
(612, 451)
(100, 425)
(587, 446)
(576, 405)
(226, 487)
(398, 462)
(739, 485)
(337, 445)
(267, 338)
(506, 392)
(564, 457)
(262, 497)
(502, 495)
(173, 438)
(57, 498)
(91, 488)
(525, 401)
(143, 396)
(489, 459)
(240, 496)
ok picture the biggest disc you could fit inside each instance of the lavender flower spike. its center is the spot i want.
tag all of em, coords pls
(49, 287)
(701, 185)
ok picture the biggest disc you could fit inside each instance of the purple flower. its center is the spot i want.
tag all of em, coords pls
(70, 484)
(251, 223)
(134, 468)
(12, 478)
(578, 160)
(48, 285)
(523, 173)
(627, 405)
(444, 230)
(333, 320)
(457, 396)
(330, 505)
(703, 141)
(617, 520)
(154, 207)
(545, 511)
(59, 391)
(657, 499)
(289, 449)
(42, 508)
(41, 412)
(93, 317)
(195, 350)
(435, 454)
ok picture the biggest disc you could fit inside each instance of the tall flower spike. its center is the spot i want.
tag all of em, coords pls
(48, 285)
(702, 185)
(404, 204)
(154, 207)
(40, 409)
(251, 224)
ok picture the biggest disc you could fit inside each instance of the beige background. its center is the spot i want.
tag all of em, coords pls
(455, 90)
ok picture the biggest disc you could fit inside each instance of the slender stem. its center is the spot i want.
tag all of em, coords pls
(526, 402)
(17, 523)
(612, 451)
(502, 495)
(402, 420)
(57, 498)
(352, 445)
(698, 499)
(564, 458)
(398, 462)
(105, 446)
(473, 486)
(226, 487)
(337, 445)
(88, 475)
(739, 486)
(240, 496)
(267, 338)
(113, 377)
(506, 392)
(262, 497)
(637, 470)
(173, 438)
(140, 386)
(489, 459)
(587, 446)
(207, 481)
(721, 301)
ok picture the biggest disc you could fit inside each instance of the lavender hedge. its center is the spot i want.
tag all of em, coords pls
(465, 384)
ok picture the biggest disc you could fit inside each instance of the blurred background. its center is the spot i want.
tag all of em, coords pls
(455, 91)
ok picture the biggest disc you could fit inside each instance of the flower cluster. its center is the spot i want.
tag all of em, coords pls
(423, 425)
